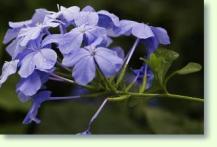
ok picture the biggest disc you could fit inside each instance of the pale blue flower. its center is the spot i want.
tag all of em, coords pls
(38, 57)
(85, 59)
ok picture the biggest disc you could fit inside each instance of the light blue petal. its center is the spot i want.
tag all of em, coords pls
(119, 51)
(161, 35)
(14, 48)
(27, 66)
(54, 38)
(39, 15)
(28, 34)
(70, 13)
(72, 41)
(38, 99)
(151, 44)
(8, 69)
(10, 34)
(88, 9)
(108, 20)
(108, 61)
(87, 18)
(94, 32)
(68, 42)
(20, 24)
(84, 70)
(142, 31)
(126, 27)
(29, 86)
(45, 59)
(71, 59)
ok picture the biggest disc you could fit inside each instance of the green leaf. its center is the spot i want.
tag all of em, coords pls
(160, 62)
(189, 68)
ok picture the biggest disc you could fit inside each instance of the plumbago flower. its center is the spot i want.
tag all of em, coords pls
(84, 49)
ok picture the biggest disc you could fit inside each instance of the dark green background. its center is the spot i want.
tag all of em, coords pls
(183, 20)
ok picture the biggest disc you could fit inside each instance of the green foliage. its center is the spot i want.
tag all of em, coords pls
(189, 68)
(160, 62)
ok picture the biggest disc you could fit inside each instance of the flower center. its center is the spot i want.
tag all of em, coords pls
(92, 51)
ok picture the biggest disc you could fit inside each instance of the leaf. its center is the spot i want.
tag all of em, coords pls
(160, 62)
(189, 68)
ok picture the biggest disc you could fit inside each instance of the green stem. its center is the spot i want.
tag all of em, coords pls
(120, 98)
(102, 76)
(80, 96)
(144, 82)
(167, 95)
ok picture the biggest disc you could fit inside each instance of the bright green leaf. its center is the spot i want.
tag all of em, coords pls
(189, 68)
(160, 62)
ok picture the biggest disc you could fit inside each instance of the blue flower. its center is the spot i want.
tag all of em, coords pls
(32, 33)
(65, 16)
(150, 36)
(21, 33)
(8, 69)
(37, 57)
(140, 75)
(36, 103)
(85, 59)
(160, 37)
(73, 40)
(15, 27)
(110, 22)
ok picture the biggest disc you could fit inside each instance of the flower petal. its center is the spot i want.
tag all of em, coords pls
(84, 70)
(70, 13)
(39, 15)
(108, 61)
(119, 51)
(20, 24)
(71, 59)
(142, 31)
(14, 48)
(88, 9)
(86, 18)
(161, 35)
(10, 34)
(94, 32)
(29, 86)
(27, 66)
(68, 42)
(45, 59)
(37, 100)
(108, 20)
(28, 34)
(8, 69)
(126, 27)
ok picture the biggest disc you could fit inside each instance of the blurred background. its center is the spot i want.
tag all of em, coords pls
(183, 19)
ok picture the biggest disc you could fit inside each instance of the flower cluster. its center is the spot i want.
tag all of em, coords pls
(79, 40)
